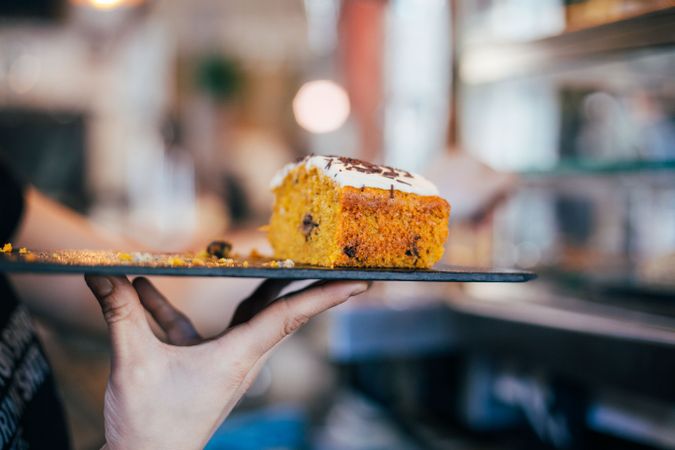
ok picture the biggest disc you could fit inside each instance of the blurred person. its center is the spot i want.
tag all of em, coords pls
(169, 387)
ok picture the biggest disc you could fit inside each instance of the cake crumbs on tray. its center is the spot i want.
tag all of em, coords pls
(29, 257)
(278, 264)
(201, 259)
(227, 262)
(176, 261)
(141, 257)
(198, 262)
(203, 254)
(126, 257)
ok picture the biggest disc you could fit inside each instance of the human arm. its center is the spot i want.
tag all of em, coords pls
(65, 300)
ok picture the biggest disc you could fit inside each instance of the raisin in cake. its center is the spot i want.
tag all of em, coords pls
(334, 211)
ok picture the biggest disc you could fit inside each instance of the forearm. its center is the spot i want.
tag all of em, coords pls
(46, 224)
(66, 301)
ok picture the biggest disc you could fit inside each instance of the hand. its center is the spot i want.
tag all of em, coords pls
(174, 394)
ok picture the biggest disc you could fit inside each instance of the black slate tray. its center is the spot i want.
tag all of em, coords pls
(440, 273)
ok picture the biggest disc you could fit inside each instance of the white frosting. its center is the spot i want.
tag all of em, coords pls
(352, 172)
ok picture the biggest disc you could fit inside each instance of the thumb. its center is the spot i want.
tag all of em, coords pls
(257, 336)
(122, 311)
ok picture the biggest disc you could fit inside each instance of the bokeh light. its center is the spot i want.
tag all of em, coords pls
(105, 4)
(321, 106)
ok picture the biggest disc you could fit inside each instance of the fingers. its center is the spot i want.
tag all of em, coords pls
(258, 300)
(283, 317)
(122, 311)
(178, 328)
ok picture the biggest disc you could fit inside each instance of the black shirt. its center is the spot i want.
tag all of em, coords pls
(31, 416)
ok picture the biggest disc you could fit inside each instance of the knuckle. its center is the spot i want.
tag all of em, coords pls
(114, 311)
(293, 323)
(238, 369)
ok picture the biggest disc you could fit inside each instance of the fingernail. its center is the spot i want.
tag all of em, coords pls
(101, 286)
(360, 289)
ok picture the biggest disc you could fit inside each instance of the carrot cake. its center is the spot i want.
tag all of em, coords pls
(335, 211)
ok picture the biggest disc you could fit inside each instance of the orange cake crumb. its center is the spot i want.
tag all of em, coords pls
(176, 261)
(126, 257)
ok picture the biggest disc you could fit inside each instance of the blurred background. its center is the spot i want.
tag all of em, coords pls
(549, 125)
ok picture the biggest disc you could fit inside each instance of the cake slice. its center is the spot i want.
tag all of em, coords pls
(334, 211)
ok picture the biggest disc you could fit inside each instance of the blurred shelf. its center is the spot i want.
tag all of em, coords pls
(574, 314)
(599, 345)
(624, 285)
(590, 167)
(494, 62)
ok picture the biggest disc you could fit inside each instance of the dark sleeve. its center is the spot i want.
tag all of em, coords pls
(11, 202)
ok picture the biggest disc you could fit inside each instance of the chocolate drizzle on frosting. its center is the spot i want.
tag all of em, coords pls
(369, 168)
(357, 173)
